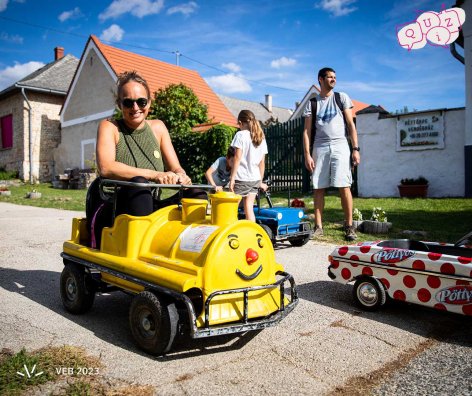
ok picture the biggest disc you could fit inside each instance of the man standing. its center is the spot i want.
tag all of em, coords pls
(330, 161)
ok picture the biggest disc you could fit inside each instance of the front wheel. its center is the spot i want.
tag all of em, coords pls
(369, 294)
(153, 322)
(77, 289)
(297, 242)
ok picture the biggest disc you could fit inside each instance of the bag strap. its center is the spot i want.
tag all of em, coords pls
(314, 105)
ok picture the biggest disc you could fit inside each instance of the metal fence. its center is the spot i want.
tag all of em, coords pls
(285, 164)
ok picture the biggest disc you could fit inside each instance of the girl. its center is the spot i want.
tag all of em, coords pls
(248, 169)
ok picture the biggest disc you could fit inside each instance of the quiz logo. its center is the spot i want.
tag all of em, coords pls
(457, 295)
(436, 28)
(392, 256)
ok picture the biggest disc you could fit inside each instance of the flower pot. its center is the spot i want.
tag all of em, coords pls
(6, 193)
(34, 195)
(357, 224)
(375, 227)
(413, 190)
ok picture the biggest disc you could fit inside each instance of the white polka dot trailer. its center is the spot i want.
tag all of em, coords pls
(426, 273)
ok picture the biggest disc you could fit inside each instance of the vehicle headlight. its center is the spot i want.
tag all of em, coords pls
(300, 214)
(279, 216)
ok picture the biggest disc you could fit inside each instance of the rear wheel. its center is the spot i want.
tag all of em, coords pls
(77, 289)
(369, 294)
(153, 322)
(269, 232)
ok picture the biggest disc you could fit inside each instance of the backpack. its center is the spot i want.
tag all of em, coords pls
(337, 98)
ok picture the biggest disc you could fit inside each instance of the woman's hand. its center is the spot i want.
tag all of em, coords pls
(231, 185)
(166, 178)
(183, 179)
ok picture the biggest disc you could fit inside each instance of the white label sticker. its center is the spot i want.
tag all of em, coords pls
(193, 238)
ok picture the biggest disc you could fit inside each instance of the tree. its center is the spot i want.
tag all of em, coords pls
(179, 108)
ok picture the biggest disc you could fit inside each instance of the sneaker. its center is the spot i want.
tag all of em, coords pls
(350, 233)
(318, 232)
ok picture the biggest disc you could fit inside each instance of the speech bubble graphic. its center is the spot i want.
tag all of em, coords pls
(428, 20)
(411, 36)
(439, 29)
(438, 35)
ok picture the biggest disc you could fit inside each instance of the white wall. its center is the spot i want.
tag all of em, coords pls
(382, 167)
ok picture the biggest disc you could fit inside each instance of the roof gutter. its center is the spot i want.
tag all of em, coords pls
(30, 134)
(53, 91)
(455, 54)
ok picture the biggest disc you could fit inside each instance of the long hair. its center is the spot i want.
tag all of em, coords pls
(257, 134)
(125, 78)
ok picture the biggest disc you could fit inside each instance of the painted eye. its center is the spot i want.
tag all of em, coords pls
(260, 242)
(233, 243)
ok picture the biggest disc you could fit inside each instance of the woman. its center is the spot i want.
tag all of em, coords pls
(134, 149)
(249, 166)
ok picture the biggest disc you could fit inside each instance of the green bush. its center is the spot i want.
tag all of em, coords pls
(197, 151)
(8, 175)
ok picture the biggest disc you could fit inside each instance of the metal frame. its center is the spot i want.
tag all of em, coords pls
(207, 330)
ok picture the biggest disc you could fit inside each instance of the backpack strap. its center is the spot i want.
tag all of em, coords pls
(337, 98)
(314, 104)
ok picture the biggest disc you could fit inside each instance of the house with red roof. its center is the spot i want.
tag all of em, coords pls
(91, 97)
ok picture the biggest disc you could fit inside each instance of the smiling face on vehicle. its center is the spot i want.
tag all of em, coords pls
(248, 256)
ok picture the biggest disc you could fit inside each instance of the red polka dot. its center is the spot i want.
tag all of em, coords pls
(418, 265)
(441, 307)
(392, 272)
(467, 309)
(399, 295)
(365, 249)
(355, 257)
(409, 281)
(462, 282)
(434, 256)
(346, 274)
(447, 268)
(343, 250)
(334, 264)
(424, 295)
(385, 282)
(433, 281)
(463, 260)
(367, 271)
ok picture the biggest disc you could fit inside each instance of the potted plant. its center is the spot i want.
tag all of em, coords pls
(357, 219)
(4, 190)
(378, 223)
(413, 188)
(33, 194)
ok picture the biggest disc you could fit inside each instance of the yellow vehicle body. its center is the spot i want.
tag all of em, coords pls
(183, 249)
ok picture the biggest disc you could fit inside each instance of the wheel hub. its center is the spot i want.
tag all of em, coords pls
(368, 293)
(71, 288)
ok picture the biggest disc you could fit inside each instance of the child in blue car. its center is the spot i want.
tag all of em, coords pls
(218, 174)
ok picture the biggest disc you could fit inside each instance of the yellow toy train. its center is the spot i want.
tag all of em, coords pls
(191, 272)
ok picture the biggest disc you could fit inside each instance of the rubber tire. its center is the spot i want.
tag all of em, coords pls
(77, 289)
(162, 316)
(269, 232)
(371, 285)
(297, 242)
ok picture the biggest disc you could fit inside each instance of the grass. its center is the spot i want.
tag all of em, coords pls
(445, 219)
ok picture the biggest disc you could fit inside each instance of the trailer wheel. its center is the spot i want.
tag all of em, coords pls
(153, 322)
(77, 289)
(369, 294)
(301, 240)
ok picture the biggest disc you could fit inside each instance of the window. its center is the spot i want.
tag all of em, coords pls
(6, 128)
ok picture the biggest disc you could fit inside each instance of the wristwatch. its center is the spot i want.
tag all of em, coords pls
(356, 149)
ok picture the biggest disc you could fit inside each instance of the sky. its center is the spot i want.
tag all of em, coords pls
(249, 48)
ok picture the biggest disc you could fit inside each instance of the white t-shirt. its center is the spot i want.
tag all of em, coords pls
(248, 169)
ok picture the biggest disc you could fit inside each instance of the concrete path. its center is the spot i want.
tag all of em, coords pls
(325, 346)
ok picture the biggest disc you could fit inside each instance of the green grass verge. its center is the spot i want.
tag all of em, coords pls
(445, 219)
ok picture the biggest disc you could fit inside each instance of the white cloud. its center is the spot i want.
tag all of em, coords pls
(12, 74)
(229, 83)
(337, 7)
(3, 5)
(12, 38)
(72, 14)
(231, 66)
(185, 9)
(282, 62)
(113, 33)
(138, 8)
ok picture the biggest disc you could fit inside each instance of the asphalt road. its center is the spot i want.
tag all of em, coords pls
(324, 346)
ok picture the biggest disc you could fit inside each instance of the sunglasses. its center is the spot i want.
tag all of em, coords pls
(129, 103)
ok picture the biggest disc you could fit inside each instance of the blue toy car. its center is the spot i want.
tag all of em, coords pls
(281, 223)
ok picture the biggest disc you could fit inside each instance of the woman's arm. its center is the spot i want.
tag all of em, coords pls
(263, 186)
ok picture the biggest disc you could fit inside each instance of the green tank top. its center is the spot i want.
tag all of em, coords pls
(138, 148)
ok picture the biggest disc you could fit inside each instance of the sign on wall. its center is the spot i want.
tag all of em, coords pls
(420, 132)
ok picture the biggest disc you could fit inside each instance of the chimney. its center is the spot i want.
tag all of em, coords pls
(268, 102)
(58, 53)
